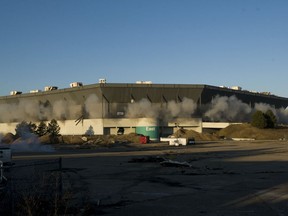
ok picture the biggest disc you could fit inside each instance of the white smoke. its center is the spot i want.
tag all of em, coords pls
(92, 106)
(232, 109)
(60, 109)
(221, 109)
(282, 115)
(183, 109)
(27, 108)
(144, 108)
(30, 144)
(264, 107)
(66, 109)
(33, 110)
(188, 106)
(17, 112)
(141, 109)
(173, 109)
(5, 113)
(44, 112)
(228, 109)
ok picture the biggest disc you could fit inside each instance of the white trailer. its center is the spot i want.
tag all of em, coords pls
(174, 141)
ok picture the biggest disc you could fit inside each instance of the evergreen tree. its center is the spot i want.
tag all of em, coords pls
(53, 130)
(259, 120)
(32, 127)
(271, 119)
(41, 129)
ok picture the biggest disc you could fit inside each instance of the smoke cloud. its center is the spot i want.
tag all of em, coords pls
(264, 107)
(33, 110)
(232, 109)
(92, 106)
(30, 144)
(281, 114)
(183, 109)
(66, 109)
(144, 108)
(223, 108)
(228, 109)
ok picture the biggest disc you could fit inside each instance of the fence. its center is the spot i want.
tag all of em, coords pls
(31, 189)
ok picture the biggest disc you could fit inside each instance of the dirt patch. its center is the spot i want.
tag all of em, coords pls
(191, 134)
(248, 131)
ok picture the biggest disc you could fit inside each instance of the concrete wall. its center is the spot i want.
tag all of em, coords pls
(186, 123)
(129, 124)
(68, 127)
(110, 126)
(216, 125)
(127, 130)
(87, 126)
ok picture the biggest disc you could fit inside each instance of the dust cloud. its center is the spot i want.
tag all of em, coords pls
(231, 109)
(31, 144)
(282, 115)
(28, 142)
(183, 109)
(222, 108)
(34, 110)
(143, 108)
(228, 109)
(91, 106)
(173, 109)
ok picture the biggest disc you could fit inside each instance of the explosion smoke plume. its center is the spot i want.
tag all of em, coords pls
(222, 108)
(225, 109)
(144, 108)
(33, 110)
(228, 109)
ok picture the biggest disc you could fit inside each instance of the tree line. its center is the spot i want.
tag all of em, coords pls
(264, 119)
(24, 129)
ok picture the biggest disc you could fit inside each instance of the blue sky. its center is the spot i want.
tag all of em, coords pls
(215, 42)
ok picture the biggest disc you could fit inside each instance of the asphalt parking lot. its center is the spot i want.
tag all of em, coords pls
(213, 178)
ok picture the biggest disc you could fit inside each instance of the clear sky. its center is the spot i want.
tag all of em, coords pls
(215, 42)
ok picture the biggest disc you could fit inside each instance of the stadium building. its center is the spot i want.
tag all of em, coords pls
(142, 107)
